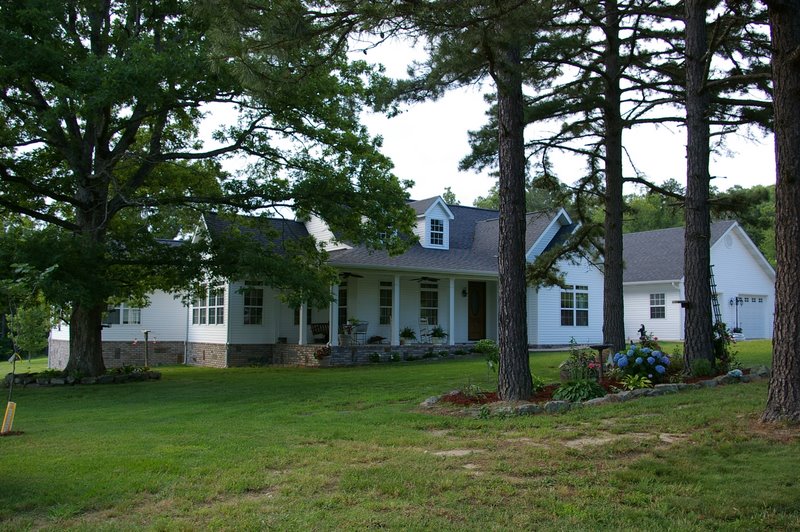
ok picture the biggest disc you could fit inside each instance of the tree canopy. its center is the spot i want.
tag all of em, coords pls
(100, 141)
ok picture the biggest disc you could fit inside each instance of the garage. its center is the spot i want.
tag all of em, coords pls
(753, 315)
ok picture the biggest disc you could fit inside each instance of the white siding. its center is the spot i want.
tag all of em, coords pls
(546, 237)
(439, 213)
(317, 228)
(251, 334)
(738, 272)
(216, 333)
(548, 311)
(637, 311)
(533, 314)
(164, 317)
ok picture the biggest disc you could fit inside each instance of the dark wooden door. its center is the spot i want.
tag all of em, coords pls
(476, 310)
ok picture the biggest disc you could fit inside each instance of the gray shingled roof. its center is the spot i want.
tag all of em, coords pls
(658, 255)
(267, 231)
(473, 246)
(421, 206)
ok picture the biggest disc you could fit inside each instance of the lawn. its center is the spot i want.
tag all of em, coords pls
(292, 448)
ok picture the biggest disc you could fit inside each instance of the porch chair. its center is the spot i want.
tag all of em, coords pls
(320, 332)
(360, 332)
(424, 331)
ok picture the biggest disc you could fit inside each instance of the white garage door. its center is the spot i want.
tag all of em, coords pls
(752, 316)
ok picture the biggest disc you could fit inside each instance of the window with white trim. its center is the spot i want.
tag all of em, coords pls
(253, 296)
(342, 304)
(385, 303)
(209, 309)
(658, 309)
(437, 232)
(575, 306)
(429, 302)
(123, 314)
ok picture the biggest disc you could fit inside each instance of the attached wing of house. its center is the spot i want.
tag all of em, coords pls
(654, 281)
(445, 284)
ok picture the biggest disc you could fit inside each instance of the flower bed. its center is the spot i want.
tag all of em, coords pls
(59, 378)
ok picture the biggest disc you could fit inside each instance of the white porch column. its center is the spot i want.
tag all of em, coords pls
(333, 318)
(395, 334)
(452, 334)
(303, 324)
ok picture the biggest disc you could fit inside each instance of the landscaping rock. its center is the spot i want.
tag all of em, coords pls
(600, 400)
(154, 375)
(71, 379)
(89, 380)
(557, 407)
(708, 384)
(42, 381)
(119, 379)
(529, 409)
(57, 381)
(668, 388)
(430, 401)
(105, 379)
(745, 378)
(760, 371)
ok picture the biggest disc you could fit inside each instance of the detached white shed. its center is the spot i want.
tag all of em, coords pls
(654, 281)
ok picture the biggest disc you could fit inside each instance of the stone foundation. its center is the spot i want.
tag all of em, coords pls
(118, 354)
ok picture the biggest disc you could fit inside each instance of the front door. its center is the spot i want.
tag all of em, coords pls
(476, 311)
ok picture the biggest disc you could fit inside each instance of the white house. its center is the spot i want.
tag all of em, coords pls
(654, 282)
(448, 279)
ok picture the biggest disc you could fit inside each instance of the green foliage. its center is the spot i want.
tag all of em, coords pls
(449, 197)
(579, 390)
(490, 350)
(395, 357)
(438, 332)
(701, 367)
(538, 384)
(374, 358)
(473, 391)
(724, 353)
(644, 362)
(634, 382)
(580, 365)
(408, 333)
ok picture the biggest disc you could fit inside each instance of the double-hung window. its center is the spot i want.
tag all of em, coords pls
(123, 314)
(210, 308)
(429, 302)
(437, 232)
(658, 309)
(385, 302)
(575, 306)
(253, 304)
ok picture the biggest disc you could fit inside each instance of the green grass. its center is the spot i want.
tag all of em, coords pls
(291, 448)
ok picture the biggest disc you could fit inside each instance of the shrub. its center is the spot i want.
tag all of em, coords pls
(473, 391)
(429, 354)
(490, 350)
(374, 357)
(634, 382)
(701, 367)
(580, 365)
(644, 362)
(395, 357)
(538, 384)
(724, 353)
(580, 390)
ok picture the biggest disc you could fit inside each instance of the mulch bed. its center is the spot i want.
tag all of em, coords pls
(542, 396)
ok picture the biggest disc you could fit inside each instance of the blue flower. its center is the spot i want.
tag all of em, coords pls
(631, 352)
(658, 354)
(622, 362)
(651, 360)
(661, 369)
(616, 356)
(665, 360)
(646, 350)
(638, 360)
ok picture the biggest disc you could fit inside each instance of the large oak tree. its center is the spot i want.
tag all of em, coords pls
(101, 105)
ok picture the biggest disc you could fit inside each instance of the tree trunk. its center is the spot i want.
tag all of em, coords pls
(85, 340)
(514, 375)
(613, 306)
(783, 400)
(697, 252)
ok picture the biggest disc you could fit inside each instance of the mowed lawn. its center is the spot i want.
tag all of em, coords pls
(298, 449)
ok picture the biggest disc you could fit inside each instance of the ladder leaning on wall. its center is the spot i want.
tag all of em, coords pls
(714, 298)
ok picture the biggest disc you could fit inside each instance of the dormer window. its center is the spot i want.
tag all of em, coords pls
(437, 232)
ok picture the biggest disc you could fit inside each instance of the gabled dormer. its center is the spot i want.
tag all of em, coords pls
(318, 228)
(433, 223)
(559, 223)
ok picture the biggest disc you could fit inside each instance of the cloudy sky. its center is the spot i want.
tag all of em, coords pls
(427, 141)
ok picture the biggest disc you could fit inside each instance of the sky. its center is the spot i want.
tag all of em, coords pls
(427, 141)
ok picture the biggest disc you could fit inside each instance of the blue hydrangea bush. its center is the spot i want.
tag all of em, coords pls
(644, 362)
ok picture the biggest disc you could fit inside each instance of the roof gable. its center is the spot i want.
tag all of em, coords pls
(424, 207)
(658, 255)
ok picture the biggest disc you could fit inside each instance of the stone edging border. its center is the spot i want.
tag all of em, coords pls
(31, 379)
(523, 408)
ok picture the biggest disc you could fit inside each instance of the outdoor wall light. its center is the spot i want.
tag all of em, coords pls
(463, 292)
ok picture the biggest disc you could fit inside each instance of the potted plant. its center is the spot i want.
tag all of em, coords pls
(438, 335)
(407, 335)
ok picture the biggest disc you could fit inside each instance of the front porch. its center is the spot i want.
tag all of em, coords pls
(371, 310)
